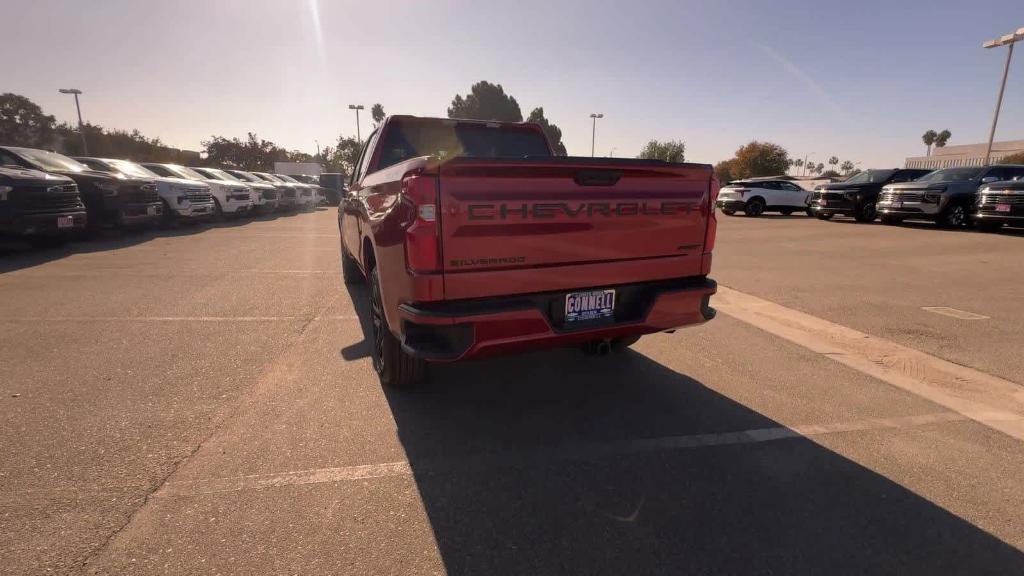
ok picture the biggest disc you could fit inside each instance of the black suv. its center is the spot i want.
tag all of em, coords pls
(109, 199)
(999, 203)
(42, 208)
(857, 196)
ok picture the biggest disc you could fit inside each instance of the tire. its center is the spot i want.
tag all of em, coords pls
(810, 213)
(350, 271)
(754, 207)
(866, 213)
(787, 211)
(394, 367)
(891, 220)
(168, 219)
(954, 216)
(984, 226)
(728, 212)
(821, 216)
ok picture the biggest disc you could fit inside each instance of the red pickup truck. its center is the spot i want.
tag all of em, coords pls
(476, 240)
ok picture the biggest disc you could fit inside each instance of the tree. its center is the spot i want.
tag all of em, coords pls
(344, 156)
(378, 114)
(1017, 158)
(724, 171)
(22, 122)
(757, 159)
(669, 151)
(486, 101)
(830, 174)
(252, 154)
(819, 168)
(798, 163)
(553, 132)
(942, 137)
(833, 161)
(846, 167)
(929, 138)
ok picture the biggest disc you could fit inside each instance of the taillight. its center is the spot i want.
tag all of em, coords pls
(422, 238)
(712, 229)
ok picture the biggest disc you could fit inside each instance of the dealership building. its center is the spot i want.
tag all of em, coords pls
(965, 155)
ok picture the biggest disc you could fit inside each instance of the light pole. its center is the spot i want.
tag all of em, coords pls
(1008, 40)
(357, 108)
(806, 171)
(76, 92)
(593, 132)
(317, 147)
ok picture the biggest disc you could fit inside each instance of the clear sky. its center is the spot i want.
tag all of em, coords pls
(861, 80)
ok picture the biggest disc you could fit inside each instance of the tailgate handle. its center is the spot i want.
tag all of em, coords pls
(597, 177)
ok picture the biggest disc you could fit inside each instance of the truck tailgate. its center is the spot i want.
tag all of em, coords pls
(521, 226)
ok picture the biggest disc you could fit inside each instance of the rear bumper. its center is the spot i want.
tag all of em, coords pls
(462, 329)
(730, 204)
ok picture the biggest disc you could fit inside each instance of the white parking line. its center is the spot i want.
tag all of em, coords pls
(954, 313)
(588, 452)
(964, 390)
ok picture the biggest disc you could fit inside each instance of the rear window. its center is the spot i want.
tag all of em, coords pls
(410, 139)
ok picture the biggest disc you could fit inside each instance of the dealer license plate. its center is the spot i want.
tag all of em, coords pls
(1002, 207)
(581, 306)
(65, 221)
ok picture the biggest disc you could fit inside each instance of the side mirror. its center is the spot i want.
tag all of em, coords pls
(989, 179)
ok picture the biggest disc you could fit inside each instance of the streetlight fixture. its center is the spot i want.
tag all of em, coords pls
(357, 108)
(317, 147)
(593, 132)
(1008, 40)
(76, 92)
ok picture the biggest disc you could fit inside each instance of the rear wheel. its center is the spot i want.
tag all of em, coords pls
(891, 220)
(866, 212)
(394, 367)
(754, 207)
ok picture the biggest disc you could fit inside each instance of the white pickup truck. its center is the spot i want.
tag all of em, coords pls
(228, 198)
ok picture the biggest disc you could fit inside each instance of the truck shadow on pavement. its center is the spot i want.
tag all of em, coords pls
(558, 463)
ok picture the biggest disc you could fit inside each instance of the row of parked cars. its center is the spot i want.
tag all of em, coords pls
(45, 197)
(986, 196)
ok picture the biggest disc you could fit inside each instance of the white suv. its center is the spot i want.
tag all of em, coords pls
(264, 196)
(183, 199)
(228, 198)
(755, 197)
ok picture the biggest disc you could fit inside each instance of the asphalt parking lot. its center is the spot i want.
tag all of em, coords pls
(201, 401)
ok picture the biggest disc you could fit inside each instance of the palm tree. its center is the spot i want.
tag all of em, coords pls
(941, 138)
(798, 162)
(929, 138)
(832, 161)
(819, 168)
(846, 167)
